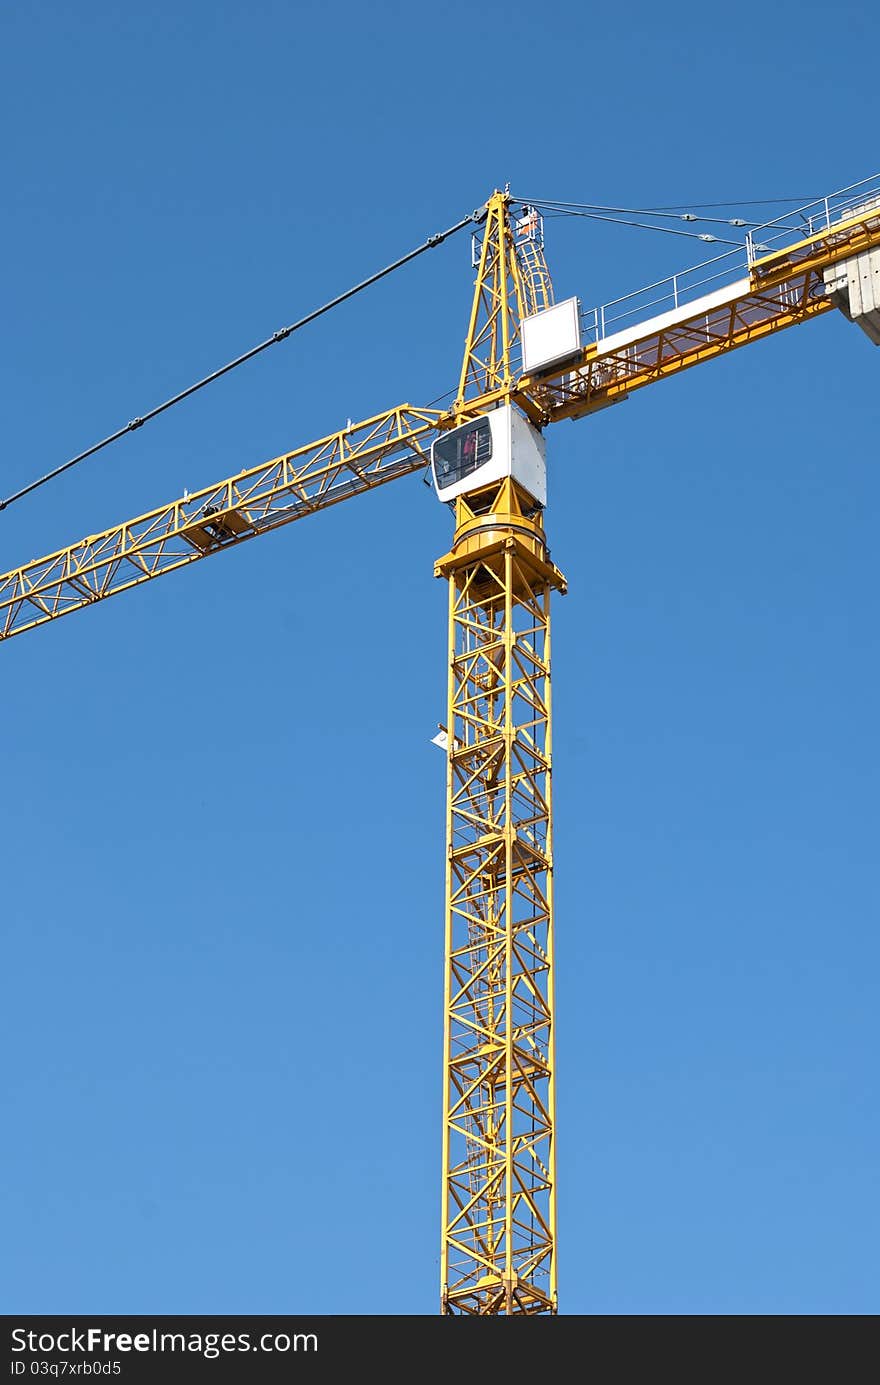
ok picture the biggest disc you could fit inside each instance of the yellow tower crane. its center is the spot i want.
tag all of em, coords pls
(528, 362)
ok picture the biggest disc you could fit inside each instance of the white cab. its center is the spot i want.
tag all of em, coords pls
(498, 444)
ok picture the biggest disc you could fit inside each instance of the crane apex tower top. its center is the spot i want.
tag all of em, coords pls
(497, 444)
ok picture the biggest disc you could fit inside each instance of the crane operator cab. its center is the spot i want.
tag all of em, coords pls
(498, 444)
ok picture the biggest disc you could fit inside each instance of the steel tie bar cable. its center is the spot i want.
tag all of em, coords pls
(281, 335)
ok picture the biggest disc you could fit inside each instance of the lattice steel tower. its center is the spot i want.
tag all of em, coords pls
(499, 1181)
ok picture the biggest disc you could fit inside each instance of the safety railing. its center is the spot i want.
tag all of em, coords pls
(813, 218)
(720, 271)
(664, 295)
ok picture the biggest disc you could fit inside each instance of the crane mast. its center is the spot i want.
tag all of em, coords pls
(499, 1184)
(498, 1253)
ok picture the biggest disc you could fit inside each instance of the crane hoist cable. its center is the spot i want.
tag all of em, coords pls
(281, 335)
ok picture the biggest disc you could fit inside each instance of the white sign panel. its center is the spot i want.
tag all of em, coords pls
(551, 336)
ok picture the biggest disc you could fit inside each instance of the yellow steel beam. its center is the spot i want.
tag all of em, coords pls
(498, 1249)
(848, 236)
(299, 483)
(503, 289)
(604, 376)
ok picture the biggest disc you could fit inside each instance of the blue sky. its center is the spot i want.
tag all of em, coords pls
(222, 821)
